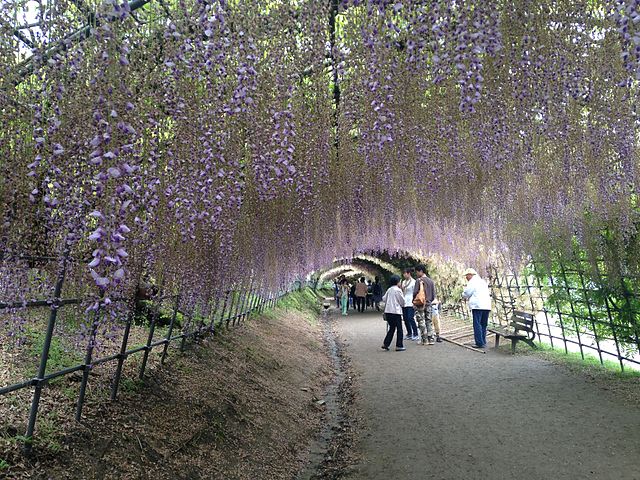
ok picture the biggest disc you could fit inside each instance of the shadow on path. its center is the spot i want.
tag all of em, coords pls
(444, 412)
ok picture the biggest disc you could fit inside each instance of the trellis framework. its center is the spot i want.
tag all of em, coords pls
(228, 308)
(572, 310)
(217, 113)
(212, 138)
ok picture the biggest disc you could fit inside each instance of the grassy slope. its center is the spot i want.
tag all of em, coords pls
(239, 406)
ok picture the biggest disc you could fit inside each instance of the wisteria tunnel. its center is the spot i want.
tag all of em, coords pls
(185, 184)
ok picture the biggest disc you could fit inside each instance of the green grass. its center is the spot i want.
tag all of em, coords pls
(574, 361)
(49, 433)
(4, 465)
(590, 361)
(48, 436)
(60, 357)
(304, 300)
(69, 392)
(145, 313)
(131, 385)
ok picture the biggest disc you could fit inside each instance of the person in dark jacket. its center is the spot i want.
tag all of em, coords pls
(377, 293)
(423, 312)
(352, 296)
(369, 294)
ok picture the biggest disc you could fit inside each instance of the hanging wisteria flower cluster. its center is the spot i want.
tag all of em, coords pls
(217, 142)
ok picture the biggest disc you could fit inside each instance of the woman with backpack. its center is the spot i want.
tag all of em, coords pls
(424, 293)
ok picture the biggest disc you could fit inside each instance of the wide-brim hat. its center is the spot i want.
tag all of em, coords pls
(469, 271)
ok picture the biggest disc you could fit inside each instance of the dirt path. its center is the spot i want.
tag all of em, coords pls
(444, 412)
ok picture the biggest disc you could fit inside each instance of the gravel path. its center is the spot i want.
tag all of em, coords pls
(445, 412)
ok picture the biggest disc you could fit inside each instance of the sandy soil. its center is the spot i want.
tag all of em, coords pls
(444, 412)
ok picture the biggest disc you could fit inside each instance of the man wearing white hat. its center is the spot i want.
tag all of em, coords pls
(479, 296)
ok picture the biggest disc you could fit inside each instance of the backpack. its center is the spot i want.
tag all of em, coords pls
(421, 297)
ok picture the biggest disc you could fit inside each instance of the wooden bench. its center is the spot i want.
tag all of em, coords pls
(520, 322)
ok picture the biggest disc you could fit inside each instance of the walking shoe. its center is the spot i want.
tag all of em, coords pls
(477, 346)
(385, 348)
(438, 339)
(415, 338)
(400, 349)
(431, 341)
(408, 337)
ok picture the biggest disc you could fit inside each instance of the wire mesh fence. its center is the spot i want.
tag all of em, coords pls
(451, 301)
(577, 306)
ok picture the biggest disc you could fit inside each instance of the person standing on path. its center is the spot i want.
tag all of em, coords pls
(344, 296)
(377, 293)
(424, 293)
(352, 296)
(361, 294)
(479, 296)
(435, 317)
(394, 302)
(369, 294)
(408, 312)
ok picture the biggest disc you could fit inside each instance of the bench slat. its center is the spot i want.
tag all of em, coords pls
(519, 326)
(523, 317)
(506, 333)
(520, 322)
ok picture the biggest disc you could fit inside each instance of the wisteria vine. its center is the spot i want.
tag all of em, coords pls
(204, 142)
